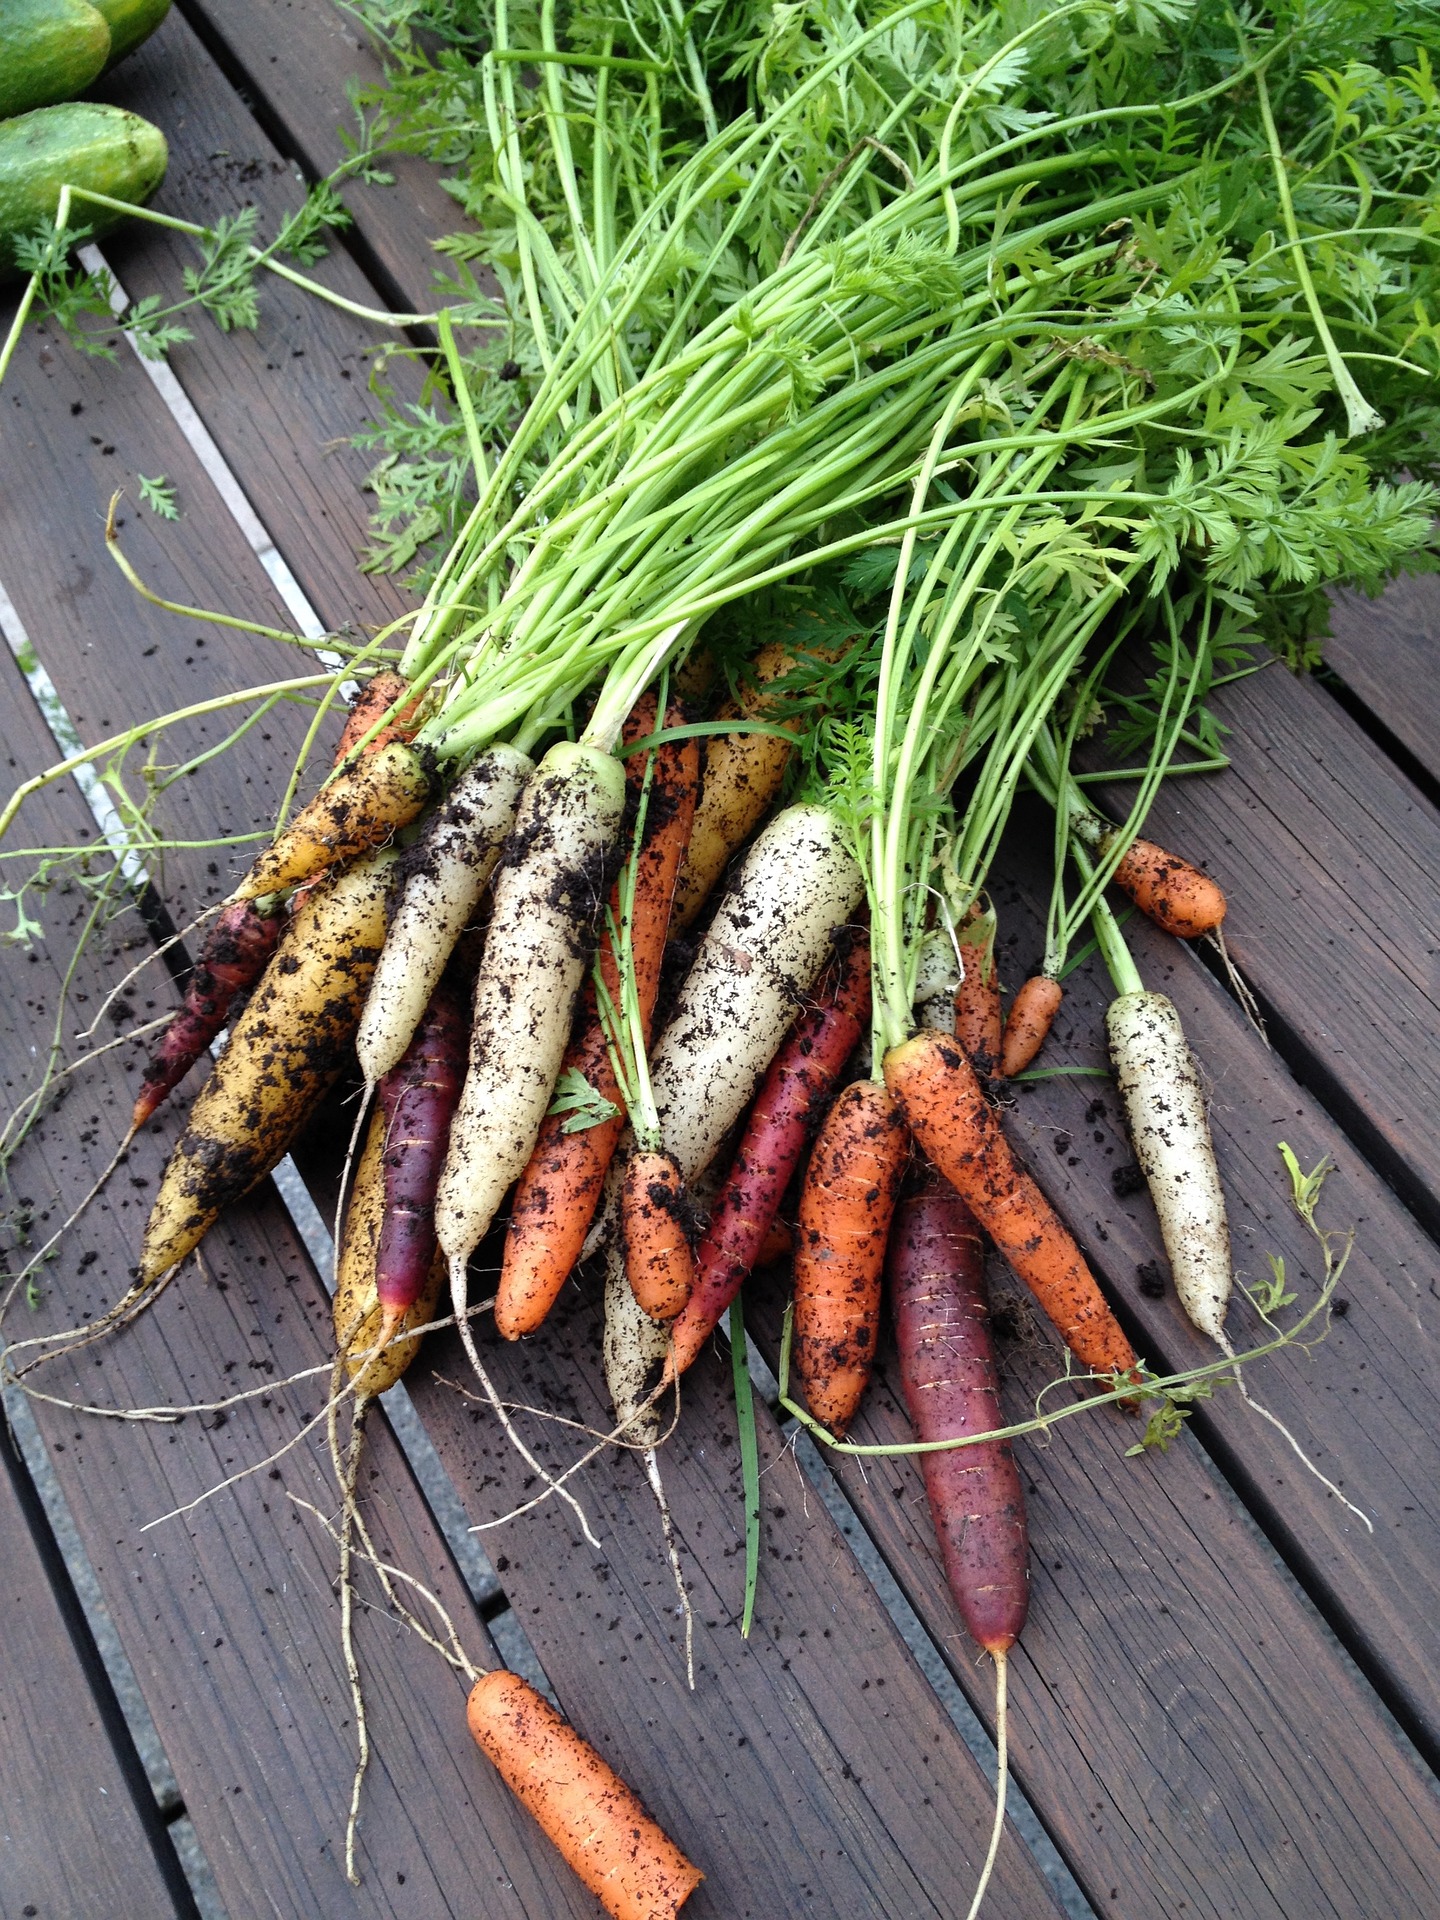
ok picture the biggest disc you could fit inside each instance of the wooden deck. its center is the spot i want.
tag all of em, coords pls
(1226, 1701)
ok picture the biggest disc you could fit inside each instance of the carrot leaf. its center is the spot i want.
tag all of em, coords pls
(582, 1105)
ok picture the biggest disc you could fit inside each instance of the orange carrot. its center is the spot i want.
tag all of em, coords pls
(1174, 894)
(1032, 1014)
(849, 1194)
(559, 1190)
(658, 1262)
(743, 774)
(940, 1098)
(582, 1805)
(372, 703)
(977, 998)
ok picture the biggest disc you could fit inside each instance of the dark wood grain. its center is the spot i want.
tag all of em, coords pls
(66, 1763)
(61, 1770)
(848, 1848)
(282, 403)
(297, 58)
(228, 1614)
(1330, 859)
(812, 1766)
(72, 431)
(1362, 1402)
(1387, 652)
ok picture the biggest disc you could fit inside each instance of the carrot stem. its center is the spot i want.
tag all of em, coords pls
(749, 1460)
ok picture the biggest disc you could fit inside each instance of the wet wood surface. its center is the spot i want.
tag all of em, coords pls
(1224, 1702)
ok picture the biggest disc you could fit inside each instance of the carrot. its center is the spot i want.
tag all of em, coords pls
(359, 808)
(361, 1323)
(743, 775)
(242, 940)
(581, 1804)
(1164, 1104)
(233, 957)
(942, 1103)
(846, 1202)
(1175, 895)
(937, 982)
(977, 998)
(947, 1374)
(789, 1105)
(374, 700)
(546, 899)
(417, 1099)
(560, 1187)
(442, 879)
(284, 1052)
(1031, 1016)
(936, 1271)
(653, 1208)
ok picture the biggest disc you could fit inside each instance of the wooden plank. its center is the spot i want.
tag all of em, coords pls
(1362, 1402)
(841, 1829)
(812, 1764)
(303, 91)
(228, 1614)
(75, 430)
(275, 398)
(1330, 860)
(66, 1763)
(1384, 651)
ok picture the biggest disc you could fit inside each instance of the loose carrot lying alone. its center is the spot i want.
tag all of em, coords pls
(845, 1208)
(580, 1803)
(1175, 895)
(236, 951)
(1028, 1023)
(953, 1122)
(787, 1108)
(560, 1187)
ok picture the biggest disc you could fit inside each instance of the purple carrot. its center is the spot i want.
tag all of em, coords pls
(234, 956)
(787, 1110)
(418, 1098)
(947, 1370)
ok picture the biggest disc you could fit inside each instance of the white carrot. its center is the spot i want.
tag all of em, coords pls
(764, 950)
(447, 872)
(1165, 1106)
(937, 980)
(547, 895)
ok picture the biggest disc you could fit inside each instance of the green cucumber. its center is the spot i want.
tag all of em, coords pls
(49, 50)
(80, 145)
(130, 22)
